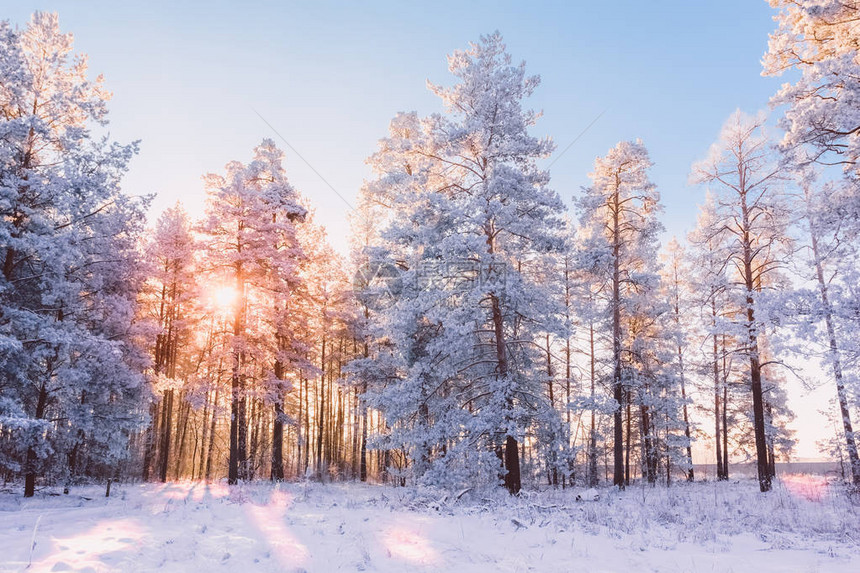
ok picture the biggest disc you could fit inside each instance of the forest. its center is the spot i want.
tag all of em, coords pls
(477, 333)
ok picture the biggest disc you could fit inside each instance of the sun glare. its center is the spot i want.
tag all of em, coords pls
(223, 298)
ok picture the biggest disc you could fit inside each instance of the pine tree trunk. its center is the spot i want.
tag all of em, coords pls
(30, 476)
(354, 431)
(836, 363)
(278, 444)
(689, 448)
(341, 428)
(166, 422)
(197, 445)
(592, 438)
(620, 478)
(300, 434)
(628, 445)
(321, 415)
(567, 377)
(717, 384)
(725, 425)
(243, 436)
(184, 414)
(238, 430)
(553, 471)
(648, 448)
(149, 440)
(764, 476)
(362, 463)
(203, 439)
(512, 460)
(235, 398)
(669, 457)
(771, 452)
(212, 428)
(254, 438)
(307, 439)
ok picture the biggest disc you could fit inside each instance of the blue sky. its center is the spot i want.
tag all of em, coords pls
(188, 78)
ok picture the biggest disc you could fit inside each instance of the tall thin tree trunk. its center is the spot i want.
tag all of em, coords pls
(592, 438)
(686, 418)
(725, 420)
(277, 473)
(771, 452)
(567, 376)
(237, 462)
(362, 462)
(621, 477)
(235, 412)
(512, 456)
(184, 413)
(764, 475)
(300, 434)
(307, 439)
(553, 473)
(32, 458)
(204, 437)
(836, 362)
(212, 427)
(717, 386)
(321, 413)
(253, 438)
(627, 448)
(149, 440)
(649, 462)
(166, 423)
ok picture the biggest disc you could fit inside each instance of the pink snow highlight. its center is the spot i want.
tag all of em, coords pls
(812, 488)
(86, 550)
(269, 521)
(405, 542)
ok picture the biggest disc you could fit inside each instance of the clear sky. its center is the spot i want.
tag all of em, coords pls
(187, 78)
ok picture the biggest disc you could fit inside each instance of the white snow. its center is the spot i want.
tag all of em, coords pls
(804, 525)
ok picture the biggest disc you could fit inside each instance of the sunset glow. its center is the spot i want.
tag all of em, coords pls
(224, 298)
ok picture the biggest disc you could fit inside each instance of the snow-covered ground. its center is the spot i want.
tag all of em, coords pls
(804, 525)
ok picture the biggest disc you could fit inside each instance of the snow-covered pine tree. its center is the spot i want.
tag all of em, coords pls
(474, 214)
(828, 226)
(822, 125)
(620, 229)
(675, 282)
(710, 287)
(752, 216)
(822, 118)
(172, 293)
(250, 228)
(327, 325)
(585, 291)
(556, 452)
(72, 376)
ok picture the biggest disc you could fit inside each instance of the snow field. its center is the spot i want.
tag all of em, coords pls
(804, 525)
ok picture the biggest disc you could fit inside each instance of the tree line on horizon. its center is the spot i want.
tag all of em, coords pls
(477, 333)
